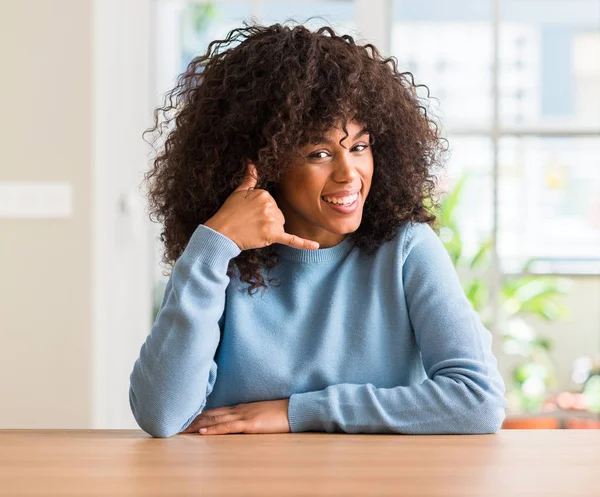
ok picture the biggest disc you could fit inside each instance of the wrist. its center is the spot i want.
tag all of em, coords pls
(212, 224)
(215, 225)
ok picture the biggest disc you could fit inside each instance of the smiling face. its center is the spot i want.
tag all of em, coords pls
(330, 168)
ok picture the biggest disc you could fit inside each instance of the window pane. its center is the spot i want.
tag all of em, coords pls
(471, 156)
(201, 23)
(448, 47)
(339, 15)
(550, 63)
(549, 203)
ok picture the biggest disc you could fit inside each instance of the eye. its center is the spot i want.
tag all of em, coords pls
(316, 155)
(363, 145)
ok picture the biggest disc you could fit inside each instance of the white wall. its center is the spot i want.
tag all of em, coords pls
(45, 285)
(74, 293)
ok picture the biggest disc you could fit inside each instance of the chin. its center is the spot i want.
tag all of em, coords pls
(343, 229)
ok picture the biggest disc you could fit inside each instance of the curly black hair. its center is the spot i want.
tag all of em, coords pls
(260, 94)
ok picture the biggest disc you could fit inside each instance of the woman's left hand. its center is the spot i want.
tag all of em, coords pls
(269, 416)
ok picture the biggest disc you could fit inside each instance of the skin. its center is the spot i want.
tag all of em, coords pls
(269, 416)
(329, 167)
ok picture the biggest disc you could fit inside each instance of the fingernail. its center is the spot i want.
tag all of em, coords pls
(202, 430)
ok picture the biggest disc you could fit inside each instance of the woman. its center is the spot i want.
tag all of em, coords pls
(305, 157)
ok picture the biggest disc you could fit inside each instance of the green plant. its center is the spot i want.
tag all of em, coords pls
(199, 15)
(586, 372)
(533, 295)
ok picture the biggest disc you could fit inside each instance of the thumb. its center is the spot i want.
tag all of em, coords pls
(250, 179)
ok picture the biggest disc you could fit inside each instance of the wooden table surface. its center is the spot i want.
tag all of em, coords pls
(511, 463)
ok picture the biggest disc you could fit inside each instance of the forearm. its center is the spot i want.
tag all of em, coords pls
(176, 370)
(448, 403)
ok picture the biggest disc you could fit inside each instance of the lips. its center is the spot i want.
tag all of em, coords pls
(342, 193)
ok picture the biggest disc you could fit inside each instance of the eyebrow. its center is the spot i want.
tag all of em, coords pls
(321, 139)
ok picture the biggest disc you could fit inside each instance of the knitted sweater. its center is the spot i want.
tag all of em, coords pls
(380, 344)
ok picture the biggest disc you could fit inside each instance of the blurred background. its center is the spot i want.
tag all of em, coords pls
(515, 85)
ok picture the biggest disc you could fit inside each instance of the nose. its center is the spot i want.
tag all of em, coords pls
(344, 168)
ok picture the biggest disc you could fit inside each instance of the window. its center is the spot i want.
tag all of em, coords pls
(518, 83)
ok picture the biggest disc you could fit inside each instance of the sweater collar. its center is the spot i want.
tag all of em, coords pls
(329, 254)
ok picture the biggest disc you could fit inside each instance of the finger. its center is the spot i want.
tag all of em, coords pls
(296, 241)
(223, 428)
(215, 420)
(250, 179)
(191, 429)
(211, 415)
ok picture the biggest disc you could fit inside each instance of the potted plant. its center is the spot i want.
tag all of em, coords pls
(582, 409)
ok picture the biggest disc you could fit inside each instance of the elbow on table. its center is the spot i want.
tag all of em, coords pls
(159, 430)
(151, 424)
(489, 422)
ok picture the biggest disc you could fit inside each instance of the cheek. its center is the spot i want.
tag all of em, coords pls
(307, 188)
(300, 194)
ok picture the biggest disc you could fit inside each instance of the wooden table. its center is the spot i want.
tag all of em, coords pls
(510, 463)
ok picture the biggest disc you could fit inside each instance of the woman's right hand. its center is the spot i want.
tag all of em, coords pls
(252, 219)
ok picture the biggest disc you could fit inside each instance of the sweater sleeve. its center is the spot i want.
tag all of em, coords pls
(176, 371)
(463, 392)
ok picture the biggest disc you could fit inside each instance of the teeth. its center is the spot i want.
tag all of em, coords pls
(341, 201)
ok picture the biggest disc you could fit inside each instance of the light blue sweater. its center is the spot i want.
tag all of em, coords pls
(386, 344)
